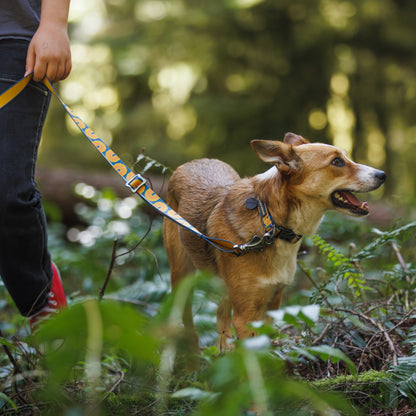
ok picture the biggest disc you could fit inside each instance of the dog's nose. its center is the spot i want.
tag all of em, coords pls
(380, 175)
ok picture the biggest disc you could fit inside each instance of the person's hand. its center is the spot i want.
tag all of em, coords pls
(49, 53)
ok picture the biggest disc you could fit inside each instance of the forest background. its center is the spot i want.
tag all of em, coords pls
(189, 79)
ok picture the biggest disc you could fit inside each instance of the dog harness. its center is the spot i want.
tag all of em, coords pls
(272, 230)
(138, 185)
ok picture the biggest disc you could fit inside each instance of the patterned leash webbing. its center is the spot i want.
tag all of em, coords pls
(135, 182)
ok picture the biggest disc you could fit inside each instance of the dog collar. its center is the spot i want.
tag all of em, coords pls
(272, 230)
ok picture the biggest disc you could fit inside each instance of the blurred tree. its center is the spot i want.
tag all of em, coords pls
(192, 78)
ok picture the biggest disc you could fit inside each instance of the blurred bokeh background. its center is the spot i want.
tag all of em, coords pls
(184, 79)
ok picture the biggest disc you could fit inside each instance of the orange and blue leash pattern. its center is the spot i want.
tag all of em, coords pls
(134, 181)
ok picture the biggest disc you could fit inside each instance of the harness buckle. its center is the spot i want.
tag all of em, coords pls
(287, 235)
(132, 185)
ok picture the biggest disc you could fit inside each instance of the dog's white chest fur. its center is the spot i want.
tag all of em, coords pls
(283, 267)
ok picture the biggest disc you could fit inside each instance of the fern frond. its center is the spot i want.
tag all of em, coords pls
(403, 380)
(348, 271)
(144, 163)
(383, 239)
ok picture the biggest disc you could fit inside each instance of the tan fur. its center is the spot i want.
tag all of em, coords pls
(211, 196)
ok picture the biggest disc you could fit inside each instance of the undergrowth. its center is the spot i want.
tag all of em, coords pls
(345, 346)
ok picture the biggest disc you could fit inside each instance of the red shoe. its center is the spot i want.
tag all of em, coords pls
(56, 301)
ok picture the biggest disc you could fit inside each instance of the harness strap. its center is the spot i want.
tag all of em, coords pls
(277, 230)
(272, 230)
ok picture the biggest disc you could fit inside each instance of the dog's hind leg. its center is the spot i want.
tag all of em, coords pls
(181, 266)
(224, 324)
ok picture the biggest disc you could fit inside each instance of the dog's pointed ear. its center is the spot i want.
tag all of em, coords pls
(278, 153)
(294, 139)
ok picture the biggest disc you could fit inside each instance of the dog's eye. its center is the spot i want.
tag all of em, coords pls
(338, 162)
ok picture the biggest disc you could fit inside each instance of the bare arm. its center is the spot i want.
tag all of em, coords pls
(49, 52)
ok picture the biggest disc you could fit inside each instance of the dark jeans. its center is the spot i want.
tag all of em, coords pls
(24, 258)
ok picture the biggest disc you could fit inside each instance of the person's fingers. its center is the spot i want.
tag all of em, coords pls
(30, 59)
(57, 71)
(52, 70)
(68, 68)
(60, 71)
(39, 71)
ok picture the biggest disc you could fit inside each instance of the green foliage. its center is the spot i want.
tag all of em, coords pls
(109, 222)
(124, 354)
(5, 400)
(344, 266)
(253, 376)
(403, 233)
(88, 348)
(243, 378)
(145, 163)
(402, 380)
(380, 325)
(85, 332)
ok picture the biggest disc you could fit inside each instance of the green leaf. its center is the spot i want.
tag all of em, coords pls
(193, 393)
(64, 338)
(295, 314)
(6, 399)
(7, 343)
(325, 352)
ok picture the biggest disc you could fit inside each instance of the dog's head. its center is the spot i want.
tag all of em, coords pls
(321, 172)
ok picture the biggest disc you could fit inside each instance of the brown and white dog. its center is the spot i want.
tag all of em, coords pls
(306, 180)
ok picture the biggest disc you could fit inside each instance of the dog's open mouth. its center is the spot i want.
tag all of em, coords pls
(346, 200)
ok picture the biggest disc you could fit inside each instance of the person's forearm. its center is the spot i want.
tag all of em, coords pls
(55, 12)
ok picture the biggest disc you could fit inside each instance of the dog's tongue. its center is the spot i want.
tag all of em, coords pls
(353, 200)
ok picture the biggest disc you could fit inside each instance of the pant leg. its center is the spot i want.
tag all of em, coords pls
(24, 258)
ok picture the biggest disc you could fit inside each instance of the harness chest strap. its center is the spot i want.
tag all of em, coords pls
(272, 230)
(134, 181)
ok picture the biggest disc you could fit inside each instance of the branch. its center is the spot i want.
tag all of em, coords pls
(16, 366)
(377, 325)
(114, 257)
(314, 284)
(321, 336)
(401, 260)
(117, 383)
(110, 270)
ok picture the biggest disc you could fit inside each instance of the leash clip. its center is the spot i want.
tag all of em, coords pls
(257, 243)
(132, 185)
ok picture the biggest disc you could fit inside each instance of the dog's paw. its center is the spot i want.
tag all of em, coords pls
(225, 343)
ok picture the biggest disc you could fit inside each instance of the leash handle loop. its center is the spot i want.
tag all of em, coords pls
(14, 90)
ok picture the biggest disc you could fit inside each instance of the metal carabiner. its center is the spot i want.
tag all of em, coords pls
(256, 243)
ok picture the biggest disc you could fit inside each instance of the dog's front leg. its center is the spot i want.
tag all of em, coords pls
(224, 324)
(276, 300)
(248, 306)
